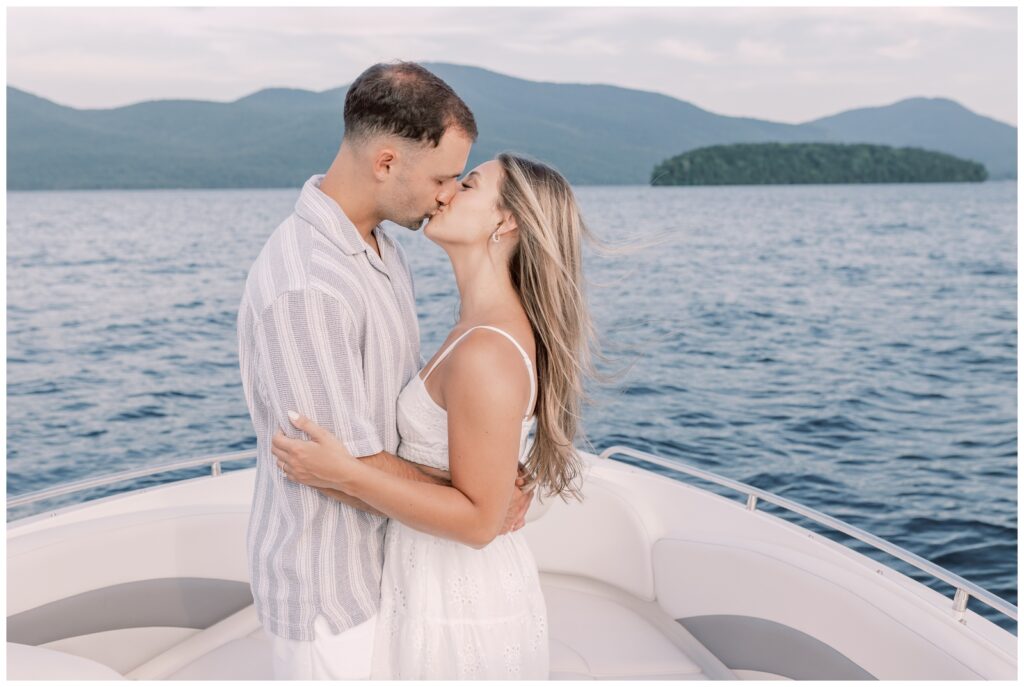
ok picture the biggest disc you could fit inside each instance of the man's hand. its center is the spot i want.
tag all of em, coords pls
(522, 497)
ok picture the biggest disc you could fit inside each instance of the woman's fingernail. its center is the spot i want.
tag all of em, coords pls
(293, 416)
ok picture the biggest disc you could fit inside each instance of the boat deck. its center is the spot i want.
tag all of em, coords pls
(597, 632)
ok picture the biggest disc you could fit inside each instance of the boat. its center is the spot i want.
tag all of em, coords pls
(654, 575)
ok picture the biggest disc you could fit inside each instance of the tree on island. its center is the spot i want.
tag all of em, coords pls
(812, 163)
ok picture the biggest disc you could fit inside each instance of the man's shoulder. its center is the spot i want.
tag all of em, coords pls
(282, 264)
(296, 259)
(284, 259)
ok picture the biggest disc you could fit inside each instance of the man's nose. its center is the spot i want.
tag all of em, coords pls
(447, 193)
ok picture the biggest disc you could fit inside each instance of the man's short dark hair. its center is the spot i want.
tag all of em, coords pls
(404, 99)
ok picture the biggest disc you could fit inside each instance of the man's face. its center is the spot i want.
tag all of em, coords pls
(428, 178)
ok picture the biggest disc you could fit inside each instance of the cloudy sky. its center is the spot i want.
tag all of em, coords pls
(783, 64)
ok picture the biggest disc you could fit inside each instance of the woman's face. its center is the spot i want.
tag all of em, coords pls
(472, 215)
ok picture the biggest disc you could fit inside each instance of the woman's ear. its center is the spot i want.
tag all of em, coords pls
(508, 223)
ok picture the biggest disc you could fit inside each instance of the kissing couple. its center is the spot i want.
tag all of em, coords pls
(384, 535)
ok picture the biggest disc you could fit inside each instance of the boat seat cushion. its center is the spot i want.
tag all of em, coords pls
(592, 638)
(25, 662)
(595, 638)
(247, 658)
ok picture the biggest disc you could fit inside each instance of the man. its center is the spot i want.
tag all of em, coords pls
(327, 327)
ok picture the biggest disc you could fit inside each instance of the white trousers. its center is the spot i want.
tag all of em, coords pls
(343, 656)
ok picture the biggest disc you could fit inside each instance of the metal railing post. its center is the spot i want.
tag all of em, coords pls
(104, 480)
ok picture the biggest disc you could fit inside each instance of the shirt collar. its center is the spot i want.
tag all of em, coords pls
(321, 211)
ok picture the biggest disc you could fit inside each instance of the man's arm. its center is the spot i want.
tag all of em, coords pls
(400, 467)
(311, 363)
(348, 500)
(395, 465)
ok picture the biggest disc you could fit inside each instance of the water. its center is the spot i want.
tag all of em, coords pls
(852, 348)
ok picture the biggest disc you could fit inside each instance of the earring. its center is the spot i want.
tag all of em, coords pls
(494, 236)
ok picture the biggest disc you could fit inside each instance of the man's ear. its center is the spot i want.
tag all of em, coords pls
(383, 162)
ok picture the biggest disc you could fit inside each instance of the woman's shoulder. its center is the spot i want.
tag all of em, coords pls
(487, 379)
(485, 355)
(484, 339)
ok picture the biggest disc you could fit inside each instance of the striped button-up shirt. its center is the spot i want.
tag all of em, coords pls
(327, 328)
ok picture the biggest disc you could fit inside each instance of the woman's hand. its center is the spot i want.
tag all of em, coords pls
(321, 462)
(522, 497)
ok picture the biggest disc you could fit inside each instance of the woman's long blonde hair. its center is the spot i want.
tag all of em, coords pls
(546, 267)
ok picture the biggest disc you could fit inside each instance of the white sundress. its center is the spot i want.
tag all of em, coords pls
(447, 610)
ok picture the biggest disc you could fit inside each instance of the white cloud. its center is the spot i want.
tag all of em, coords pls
(759, 52)
(906, 50)
(684, 50)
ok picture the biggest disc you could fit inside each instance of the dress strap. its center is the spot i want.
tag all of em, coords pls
(529, 363)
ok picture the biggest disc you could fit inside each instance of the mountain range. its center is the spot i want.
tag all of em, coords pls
(594, 134)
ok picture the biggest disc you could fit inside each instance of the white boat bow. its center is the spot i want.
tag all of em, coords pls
(648, 578)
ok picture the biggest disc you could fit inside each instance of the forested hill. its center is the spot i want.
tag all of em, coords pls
(594, 134)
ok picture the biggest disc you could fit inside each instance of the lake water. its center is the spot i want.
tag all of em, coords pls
(853, 348)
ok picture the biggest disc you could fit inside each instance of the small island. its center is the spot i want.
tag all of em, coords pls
(812, 163)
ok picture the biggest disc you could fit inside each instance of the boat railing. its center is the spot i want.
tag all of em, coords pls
(964, 588)
(213, 461)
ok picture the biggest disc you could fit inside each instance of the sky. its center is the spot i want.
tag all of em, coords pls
(788, 64)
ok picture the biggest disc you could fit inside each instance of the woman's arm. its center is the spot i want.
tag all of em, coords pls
(515, 517)
(442, 511)
(484, 431)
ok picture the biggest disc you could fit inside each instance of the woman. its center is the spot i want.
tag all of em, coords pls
(457, 600)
